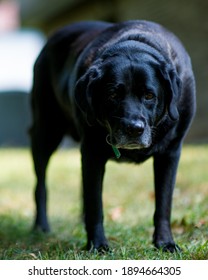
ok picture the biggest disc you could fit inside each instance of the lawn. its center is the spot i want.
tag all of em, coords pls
(128, 202)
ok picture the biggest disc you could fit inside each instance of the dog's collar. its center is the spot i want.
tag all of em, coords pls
(116, 152)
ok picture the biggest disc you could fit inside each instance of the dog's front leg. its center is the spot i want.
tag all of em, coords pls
(93, 168)
(165, 169)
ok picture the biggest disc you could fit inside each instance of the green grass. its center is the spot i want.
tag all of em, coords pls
(128, 201)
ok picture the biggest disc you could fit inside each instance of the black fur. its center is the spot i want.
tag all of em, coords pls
(127, 86)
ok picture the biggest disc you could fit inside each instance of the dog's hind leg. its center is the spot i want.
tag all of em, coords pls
(47, 131)
(44, 141)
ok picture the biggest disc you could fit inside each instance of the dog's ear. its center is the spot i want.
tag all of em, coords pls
(84, 93)
(172, 87)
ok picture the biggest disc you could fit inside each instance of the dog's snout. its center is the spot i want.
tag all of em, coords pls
(135, 128)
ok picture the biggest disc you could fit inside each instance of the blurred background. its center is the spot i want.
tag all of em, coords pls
(25, 25)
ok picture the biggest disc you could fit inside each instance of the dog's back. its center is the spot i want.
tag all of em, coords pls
(50, 75)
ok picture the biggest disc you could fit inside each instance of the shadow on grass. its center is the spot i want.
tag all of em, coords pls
(19, 241)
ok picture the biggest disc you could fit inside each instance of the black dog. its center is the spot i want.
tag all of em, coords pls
(124, 90)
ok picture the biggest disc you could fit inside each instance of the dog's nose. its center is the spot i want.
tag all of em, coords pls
(135, 128)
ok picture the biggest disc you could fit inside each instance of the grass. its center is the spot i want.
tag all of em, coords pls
(128, 201)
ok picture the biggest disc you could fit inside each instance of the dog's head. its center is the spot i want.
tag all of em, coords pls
(129, 93)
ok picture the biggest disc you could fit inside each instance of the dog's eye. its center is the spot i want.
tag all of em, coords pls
(112, 96)
(149, 96)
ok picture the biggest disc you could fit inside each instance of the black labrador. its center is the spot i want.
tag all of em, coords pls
(125, 91)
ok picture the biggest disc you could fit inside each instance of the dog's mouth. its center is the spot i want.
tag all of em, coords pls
(122, 142)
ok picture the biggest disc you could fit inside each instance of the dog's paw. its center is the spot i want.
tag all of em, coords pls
(170, 247)
(41, 228)
(100, 247)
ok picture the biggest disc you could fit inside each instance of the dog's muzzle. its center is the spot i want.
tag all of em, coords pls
(130, 135)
